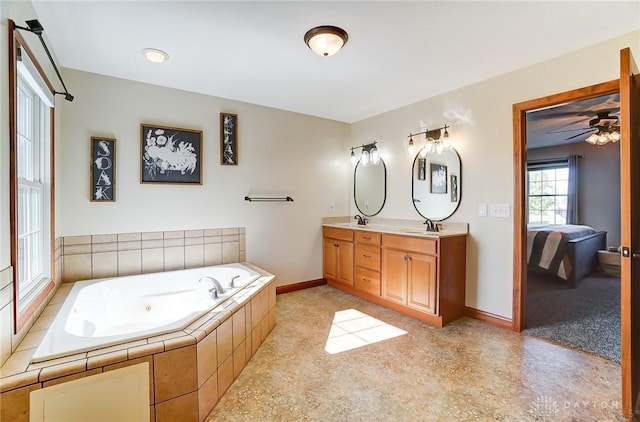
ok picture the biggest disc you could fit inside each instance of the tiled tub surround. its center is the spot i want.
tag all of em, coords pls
(189, 370)
(112, 255)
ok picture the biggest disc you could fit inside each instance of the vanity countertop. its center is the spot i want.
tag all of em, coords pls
(399, 230)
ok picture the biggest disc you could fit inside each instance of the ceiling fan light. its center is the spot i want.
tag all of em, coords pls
(326, 40)
(614, 136)
(593, 139)
(603, 138)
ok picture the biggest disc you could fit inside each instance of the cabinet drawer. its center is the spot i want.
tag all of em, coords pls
(368, 257)
(428, 246)
(368, 281)
(368, 237)
(336, 233)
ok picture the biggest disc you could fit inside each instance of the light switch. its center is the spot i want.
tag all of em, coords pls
(500, 210)
(482, 210)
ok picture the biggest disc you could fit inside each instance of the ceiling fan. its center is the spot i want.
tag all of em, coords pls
(603, 123)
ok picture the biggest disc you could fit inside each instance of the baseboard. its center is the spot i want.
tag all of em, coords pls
(488, 317)
(300, 286)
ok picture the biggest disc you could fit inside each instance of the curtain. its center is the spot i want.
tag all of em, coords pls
(572, 196)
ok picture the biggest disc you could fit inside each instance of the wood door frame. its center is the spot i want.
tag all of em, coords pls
(520, 167)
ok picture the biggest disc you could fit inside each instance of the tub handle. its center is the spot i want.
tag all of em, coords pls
(214, 292)
(231, 284)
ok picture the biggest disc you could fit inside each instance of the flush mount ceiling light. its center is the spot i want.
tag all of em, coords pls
(326, 40)
(154, 55)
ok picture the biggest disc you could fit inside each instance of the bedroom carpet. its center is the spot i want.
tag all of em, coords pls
(585, 318)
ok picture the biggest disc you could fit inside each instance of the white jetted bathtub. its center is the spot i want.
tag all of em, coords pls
(100, 313)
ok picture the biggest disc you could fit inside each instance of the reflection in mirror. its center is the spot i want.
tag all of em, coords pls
(370, 188)
(436, 184)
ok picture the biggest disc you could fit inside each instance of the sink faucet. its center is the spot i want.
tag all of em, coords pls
(361, 220)
(431, 226)
(216, 288)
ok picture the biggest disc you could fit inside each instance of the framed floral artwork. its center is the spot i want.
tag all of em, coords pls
(103, 169)
(170, 155)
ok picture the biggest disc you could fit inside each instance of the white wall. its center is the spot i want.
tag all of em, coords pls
(280, 153)
(480, 116)
(599, 184)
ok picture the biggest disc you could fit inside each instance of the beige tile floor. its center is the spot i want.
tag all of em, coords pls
(466, 371)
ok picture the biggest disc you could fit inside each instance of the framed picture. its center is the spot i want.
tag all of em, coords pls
(103, 169)
(228, 139)
(422, 168)
(170, 155)
(454, 188)
(438, 178)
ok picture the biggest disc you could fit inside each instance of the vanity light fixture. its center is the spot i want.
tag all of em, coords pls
(434, 140)
(369, 154)
(326, 40)
(154, 55)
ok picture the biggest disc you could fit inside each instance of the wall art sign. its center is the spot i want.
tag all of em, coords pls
(454, 188)
(170, 155)
(228, 139)
(103, 169)
(438, 178)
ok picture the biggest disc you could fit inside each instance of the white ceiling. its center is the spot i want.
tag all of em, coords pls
(398, 53)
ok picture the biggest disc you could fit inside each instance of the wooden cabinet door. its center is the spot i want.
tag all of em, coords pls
(345, 262)
(330, 259)
(394, 276)
(421, 282)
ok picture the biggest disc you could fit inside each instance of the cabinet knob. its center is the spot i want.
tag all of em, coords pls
(367, 256)
(366, 237)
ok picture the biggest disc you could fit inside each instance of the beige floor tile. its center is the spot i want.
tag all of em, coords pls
(466, 371)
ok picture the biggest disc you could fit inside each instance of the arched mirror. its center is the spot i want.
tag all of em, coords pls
(436, 181)
(370, 187)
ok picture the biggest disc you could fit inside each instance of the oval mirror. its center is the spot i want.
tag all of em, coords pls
(436, 182)
(370, 188)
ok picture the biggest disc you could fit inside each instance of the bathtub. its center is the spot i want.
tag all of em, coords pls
(104, 312)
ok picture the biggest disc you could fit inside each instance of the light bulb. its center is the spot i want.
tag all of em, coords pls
(593, 139)
(614, 136)
(411, 149)
(439, 148)
(423, 151)
(354, 159)
(429, 148)
(446, 141)
(603, 138)
(364, 160)
(375, 156)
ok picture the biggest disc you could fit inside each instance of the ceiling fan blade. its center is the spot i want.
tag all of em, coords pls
(580, 134)
(568, 130)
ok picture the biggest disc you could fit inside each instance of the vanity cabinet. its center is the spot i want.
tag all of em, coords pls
(338, 255)
(367, 262)
(409, 277)
(420, 276)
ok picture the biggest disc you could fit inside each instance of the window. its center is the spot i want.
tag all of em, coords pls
(548, 191)
(32, 137)
(31, 106)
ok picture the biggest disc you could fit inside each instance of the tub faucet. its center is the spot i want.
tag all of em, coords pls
(431, 226)
(361, 220)
(217, 287)
(232, 282)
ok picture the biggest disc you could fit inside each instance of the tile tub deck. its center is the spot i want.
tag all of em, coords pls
(189, 369)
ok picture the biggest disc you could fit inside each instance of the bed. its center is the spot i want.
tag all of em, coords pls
(568, 252)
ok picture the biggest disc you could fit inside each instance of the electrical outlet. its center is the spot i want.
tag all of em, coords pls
(500, 210)
(332, 207)
(482, 210)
